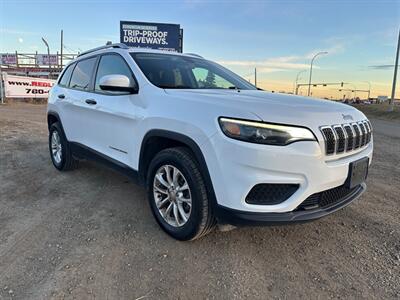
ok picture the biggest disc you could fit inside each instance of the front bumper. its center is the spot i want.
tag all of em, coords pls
(236, 167)
(236, 217)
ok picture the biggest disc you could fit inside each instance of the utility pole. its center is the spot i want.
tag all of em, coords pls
(296, 81)
(61, 50)
(354, 91)
(2, 92)
(255, 77)
(391, 108)
(311, 65)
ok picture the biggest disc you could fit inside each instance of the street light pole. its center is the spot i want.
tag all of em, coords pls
(354, 91)
(369, 89)
(395, 75)
(255, 77)
(61, 49)
(312, 61)
(48, 55)
(297, 80)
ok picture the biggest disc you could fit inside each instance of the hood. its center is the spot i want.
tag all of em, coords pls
(275, 107)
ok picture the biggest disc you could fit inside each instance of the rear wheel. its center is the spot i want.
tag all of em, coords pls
(60, 151)
(178, 196)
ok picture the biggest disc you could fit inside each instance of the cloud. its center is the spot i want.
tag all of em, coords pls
(334, 45)
(282, 63)
(34, 48)
(381, 67)
(332, 50)
(17, 32)
(102, 39)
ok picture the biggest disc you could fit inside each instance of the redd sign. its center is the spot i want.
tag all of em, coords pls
(41, 83)
(26, 87)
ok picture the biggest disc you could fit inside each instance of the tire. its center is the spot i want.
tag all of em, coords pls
(200, 218)
(65, 161)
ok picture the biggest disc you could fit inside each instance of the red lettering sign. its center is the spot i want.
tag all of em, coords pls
(38, 83)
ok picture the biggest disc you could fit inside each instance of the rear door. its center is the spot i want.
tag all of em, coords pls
(76, 108)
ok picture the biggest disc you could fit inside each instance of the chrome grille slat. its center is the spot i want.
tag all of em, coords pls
(341, 138)
(357, 134)
(367, 126)
(350, 137)
(330, 140)
(363, 134)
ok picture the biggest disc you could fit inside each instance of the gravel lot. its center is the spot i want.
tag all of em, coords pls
(90, 234)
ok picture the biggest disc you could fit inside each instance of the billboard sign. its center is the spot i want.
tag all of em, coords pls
(8, 59)
(43, 59)
(26, 87)
(151, 35)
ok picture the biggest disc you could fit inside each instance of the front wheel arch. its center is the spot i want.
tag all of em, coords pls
(174, 139)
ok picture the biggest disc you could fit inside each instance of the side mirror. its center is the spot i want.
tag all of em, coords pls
(117, 83)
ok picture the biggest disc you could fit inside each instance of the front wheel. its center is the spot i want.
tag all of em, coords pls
(178, 196)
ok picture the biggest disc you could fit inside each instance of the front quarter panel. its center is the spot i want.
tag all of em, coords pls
(190, 117)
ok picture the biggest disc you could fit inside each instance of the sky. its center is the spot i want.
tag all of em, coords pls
(278, 38)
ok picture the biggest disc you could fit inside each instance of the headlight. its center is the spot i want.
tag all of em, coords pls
(264, 133)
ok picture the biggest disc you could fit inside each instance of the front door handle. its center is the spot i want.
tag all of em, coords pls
(91, 101)
(61, 96)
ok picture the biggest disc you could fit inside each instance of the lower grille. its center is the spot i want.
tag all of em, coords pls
(270, 194)
(327, 198)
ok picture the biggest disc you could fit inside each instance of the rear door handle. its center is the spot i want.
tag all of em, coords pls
(91, 101)
(61, 96)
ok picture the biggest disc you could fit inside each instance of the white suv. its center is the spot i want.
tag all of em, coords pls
(209, 146)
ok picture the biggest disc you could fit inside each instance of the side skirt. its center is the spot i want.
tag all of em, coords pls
(83, 152)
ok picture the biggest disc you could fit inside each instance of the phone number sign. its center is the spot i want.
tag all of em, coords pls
(26, 87)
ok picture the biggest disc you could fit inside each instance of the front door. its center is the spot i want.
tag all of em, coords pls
(111, 118)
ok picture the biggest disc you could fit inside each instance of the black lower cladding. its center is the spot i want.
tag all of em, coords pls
(270, 193)
(329, 200)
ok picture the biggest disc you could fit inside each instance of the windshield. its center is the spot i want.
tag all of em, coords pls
(181, 72)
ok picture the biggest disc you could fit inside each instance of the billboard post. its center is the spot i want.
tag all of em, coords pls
(181, 40)
(159, 36)
(2, 94)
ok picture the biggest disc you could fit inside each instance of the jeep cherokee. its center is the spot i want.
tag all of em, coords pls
(208, 146)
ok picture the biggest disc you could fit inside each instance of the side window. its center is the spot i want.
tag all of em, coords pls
(82, 74)
(66, 75)
(112, 64)
(208, 80)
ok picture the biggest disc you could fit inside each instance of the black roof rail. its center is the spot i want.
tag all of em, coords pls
(117, 45)
(194, 54)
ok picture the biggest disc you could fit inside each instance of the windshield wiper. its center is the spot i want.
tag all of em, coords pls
(233, 88)
(175, 87)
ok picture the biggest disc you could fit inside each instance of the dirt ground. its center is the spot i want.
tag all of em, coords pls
(89, 234)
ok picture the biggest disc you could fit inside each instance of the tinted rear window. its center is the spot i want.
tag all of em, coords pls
(82, 74)
(66, 75)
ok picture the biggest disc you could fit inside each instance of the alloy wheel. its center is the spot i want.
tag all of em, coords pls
(56, 147)
(172, 195)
